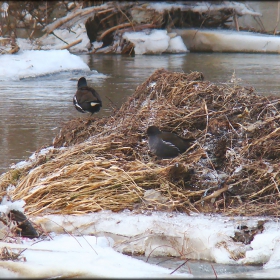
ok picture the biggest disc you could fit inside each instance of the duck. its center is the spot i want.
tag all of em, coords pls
(166, 144)
(86, 99)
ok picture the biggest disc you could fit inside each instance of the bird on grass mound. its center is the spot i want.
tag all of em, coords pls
(166, 144)
(86, 98)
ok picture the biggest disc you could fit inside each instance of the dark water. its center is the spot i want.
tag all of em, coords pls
(203, 269)
(32, 110)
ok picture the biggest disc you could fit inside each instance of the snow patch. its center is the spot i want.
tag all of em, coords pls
(34, 63)
(6, 205)
(176, 45)
(155, 42)
(33, 157)
(82, 256)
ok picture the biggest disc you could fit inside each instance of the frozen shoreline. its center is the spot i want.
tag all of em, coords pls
(99, 238)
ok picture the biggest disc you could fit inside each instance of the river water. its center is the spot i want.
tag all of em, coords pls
(32, 110)
(204, 269)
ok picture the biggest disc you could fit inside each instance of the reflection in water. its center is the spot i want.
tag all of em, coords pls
(33, 110)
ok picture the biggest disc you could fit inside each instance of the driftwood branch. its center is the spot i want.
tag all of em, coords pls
(138, 27)
(105, 11)
(214, 194)
(34, 27)
(51, 27)
(110, 30)
(72, 44)
(126, 17)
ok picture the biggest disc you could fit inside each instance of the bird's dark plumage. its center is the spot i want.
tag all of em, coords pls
(86, 98)
(166, 144)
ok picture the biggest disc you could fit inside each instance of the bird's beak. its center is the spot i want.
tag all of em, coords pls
(93, 104)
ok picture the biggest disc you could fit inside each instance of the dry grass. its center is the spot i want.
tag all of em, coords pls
(232, 168)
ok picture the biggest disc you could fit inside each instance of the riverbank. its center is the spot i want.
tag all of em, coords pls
(145, 28)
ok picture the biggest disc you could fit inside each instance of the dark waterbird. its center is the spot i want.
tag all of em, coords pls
(86, 98)
(166, 144)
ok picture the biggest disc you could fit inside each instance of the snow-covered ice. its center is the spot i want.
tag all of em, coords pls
(203, 7)
(34, 63)
(213, 40)
(77, 32)
(78, 256)
(91, 245)
(155, 41)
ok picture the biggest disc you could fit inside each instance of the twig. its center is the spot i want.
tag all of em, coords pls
(83, 237)
(259, 22)
(69, 233)
(59, 38)
(126, 17)
(106, 18)
(115, 106)
(277, 21)
(179, 266)
(159, 247)
(236, 21)
(207, 119)
(214, 271)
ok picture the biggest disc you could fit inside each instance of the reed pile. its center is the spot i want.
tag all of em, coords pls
(232, 167)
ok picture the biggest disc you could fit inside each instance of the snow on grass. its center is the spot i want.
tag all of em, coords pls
(33, 158)
(6, 205)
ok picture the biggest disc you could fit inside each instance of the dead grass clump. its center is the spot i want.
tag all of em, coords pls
(232, 167)
(8, 254)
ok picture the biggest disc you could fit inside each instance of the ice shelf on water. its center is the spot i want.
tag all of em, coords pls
(155, 42)
(195, 236)
(94, 242)
(34, 63)
(77, 256)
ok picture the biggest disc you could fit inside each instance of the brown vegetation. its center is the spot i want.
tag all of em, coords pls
(232, 168)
